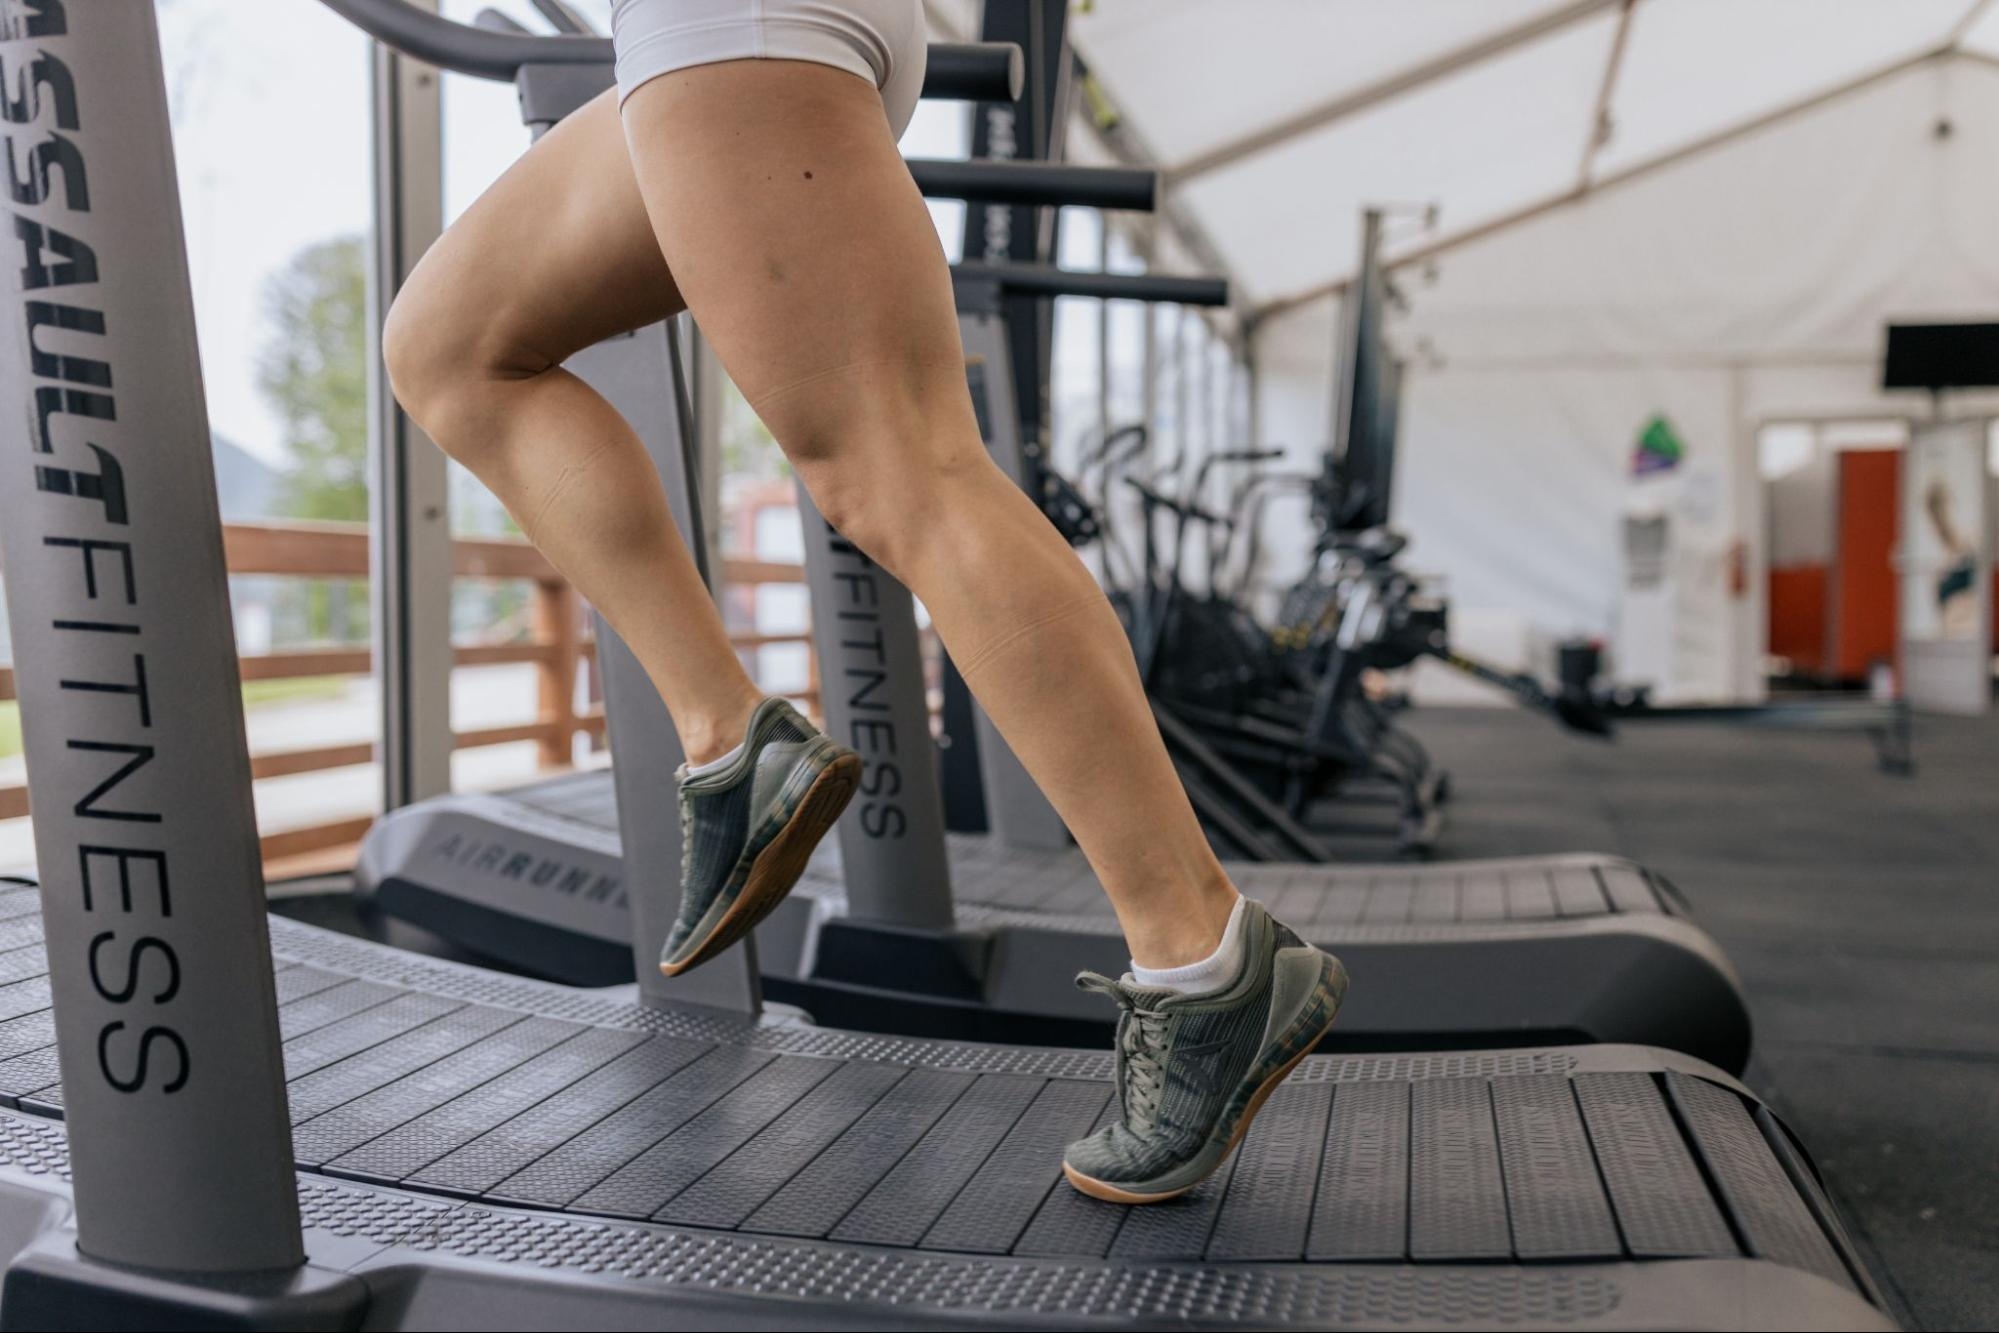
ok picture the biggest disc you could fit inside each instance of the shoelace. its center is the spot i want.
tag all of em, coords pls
(686, 844)
(1141, 1039)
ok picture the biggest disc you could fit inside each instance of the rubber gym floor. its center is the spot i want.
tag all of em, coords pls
(1862, 911)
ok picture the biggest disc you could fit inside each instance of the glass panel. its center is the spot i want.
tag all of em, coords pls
(269, 108)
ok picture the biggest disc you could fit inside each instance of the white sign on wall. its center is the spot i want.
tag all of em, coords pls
(1946, 601)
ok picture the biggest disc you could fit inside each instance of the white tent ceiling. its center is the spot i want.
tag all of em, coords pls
(1277, 121)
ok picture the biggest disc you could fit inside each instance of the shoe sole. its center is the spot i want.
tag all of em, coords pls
(780, 864)
(1109, 1193)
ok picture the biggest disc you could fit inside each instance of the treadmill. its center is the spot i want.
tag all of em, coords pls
(210, 1118)
(902, 927)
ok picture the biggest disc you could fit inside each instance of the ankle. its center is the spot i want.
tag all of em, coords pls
(1176, 939)
(710, 735)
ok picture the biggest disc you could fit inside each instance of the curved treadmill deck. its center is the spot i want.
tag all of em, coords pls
(494, 1152)
(1502, 952)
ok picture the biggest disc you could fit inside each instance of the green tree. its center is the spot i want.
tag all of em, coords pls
(313, 372)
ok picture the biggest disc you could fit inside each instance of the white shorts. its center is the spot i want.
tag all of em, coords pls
(882, 41)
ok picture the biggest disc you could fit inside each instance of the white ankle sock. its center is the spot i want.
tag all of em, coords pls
(1212, 973)
(713, 765)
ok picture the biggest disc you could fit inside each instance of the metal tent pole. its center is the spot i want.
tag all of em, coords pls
(158, 948)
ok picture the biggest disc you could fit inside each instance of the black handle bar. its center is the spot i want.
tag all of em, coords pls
(1032, 184)
(1047, 280)
(975, 72)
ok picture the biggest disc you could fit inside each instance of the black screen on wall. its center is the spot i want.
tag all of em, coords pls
(1941, 356)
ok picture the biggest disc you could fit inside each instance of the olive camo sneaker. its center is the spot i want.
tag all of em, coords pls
(747, 829)
(1193, 1070)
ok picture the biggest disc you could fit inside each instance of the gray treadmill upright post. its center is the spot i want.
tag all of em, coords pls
(871, 693)
(1019, 815)
(152, 887)
(628, 372)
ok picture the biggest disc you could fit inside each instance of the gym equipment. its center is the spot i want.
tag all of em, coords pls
(786, 1175)
(900, 928)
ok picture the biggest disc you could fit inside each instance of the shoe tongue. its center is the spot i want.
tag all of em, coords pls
(1146, 997)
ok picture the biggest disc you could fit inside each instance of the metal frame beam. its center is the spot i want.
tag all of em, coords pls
(1575, 195)
(1599, 130)
(409, 528)
(1385, 89)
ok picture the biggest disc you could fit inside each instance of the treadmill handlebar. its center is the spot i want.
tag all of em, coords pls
(1047, 280)
(973, 72)
(1031, 184)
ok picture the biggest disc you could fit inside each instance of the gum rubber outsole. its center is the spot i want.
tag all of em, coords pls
(780, 864)
(1109, 1193)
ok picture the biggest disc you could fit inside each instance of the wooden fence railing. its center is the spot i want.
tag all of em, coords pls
(557, 645)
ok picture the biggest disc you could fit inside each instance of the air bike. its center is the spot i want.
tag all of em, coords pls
(909, 921)
(229, 1120)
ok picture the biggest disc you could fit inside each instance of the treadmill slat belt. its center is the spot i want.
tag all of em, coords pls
(1627, 889)
(302, 979)
(24, 997)
(903, 1204)
(27, 1075)
(1269, 1205)
(814, 1200)
(578, 1165)
(21, 930)
(32, 1032)
(1558, 1205)
(19, 903)
(1436, 899)
(408, 1148)
(1529, 895)
(321, 1006)
(1457, 1201)
(383, 1020)
(1070, 1222)
(997, 1203)
(1178, 1228)
(29, 960)
(746, 1178)
(1390, 901)
(1663, 1205)
(1774, 1219)
(1483, 897)
(323, 1137)
(510, 1148)
(642, 1186)
(1577, 892)
(1361, 1209)
(383, 1064)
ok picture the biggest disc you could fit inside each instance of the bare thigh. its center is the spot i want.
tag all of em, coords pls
(556, 255)
(805, 251)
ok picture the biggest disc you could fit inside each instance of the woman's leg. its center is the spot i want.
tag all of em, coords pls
(807, 255)
(556, 256)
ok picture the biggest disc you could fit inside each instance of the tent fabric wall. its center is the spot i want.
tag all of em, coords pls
(1739, 285)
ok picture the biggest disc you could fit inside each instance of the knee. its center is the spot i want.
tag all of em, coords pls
(446, 363)
(414, 352)
(895, 505)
